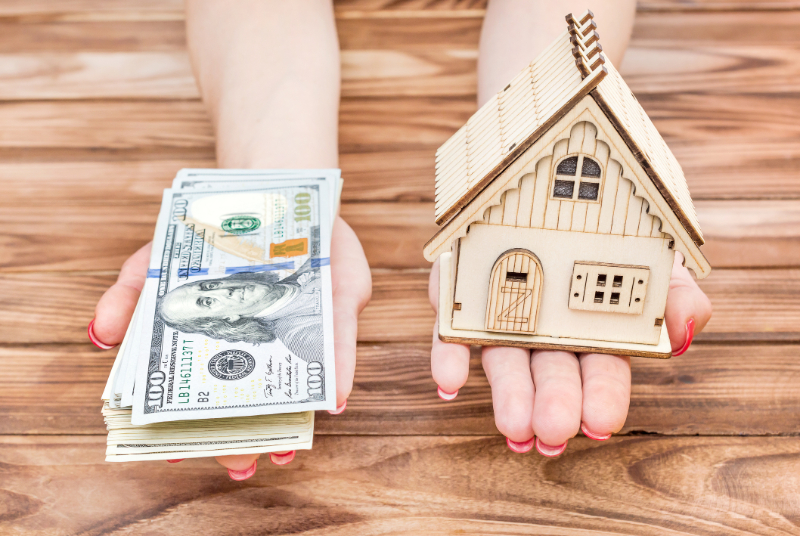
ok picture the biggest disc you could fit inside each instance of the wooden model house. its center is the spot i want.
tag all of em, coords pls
(561, 208)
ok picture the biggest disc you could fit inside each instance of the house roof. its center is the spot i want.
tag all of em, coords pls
(506, 126)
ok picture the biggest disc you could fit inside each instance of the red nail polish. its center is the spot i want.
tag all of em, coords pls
(590, 435)
(547, 450)
(243, 475)
(340, 409)
(281, 459)
(689, 337)
(446, 396)
(95, 340)
(520, 448)
(175, 461)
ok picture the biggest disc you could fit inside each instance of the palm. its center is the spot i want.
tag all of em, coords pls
(552, 394)
(352, 288)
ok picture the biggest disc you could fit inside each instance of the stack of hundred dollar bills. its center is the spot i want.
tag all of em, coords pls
(230, 349)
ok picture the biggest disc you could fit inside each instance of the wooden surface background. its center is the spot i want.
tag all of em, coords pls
(98, 109)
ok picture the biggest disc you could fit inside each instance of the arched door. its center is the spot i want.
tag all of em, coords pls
(514, 289)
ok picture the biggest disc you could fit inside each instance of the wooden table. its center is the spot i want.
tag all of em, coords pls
(98, 109)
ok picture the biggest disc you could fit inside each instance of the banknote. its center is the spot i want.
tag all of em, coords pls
(201, 438)
(216, 178)
(236, 317)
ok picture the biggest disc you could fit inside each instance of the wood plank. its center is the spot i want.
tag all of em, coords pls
(66, 237)
(404, 176)
(74, 238)
(168, 75)
(36, 11)
(747, 27)
(406, 56)
(749, 306)
(151, 126)
(732, 228)
(85, 36)
(123, 10)
(728, 486)
(713, 389)
(675, 67)
(388, 144)
(96, 75)
(156, 127)
(643, 6)
(149, 60)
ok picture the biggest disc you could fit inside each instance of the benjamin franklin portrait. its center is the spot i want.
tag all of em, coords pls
(254, 307)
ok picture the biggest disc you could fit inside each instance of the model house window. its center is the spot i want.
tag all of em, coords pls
(578, 178)
(608, 288)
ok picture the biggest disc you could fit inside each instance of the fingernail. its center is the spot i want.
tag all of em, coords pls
(689, 337)
(340, 409)
(175, 461)
(95, 340)
(590, 435)
(281, 459)
(547, 450)
(520, 448)
(446, 396)
(243, 475)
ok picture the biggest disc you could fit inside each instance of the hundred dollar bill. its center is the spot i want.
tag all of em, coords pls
(214, 178)
(237, 312)
(202, 438)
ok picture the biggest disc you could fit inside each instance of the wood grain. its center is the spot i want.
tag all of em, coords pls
(714, 52)
(98, 110)
(392, 234)
(387, 145)
(402, 176)
(411, 485)
(749, 306)
(27, 11)
(713, 389)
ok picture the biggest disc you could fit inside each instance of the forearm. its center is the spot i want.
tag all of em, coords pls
(268, 71)
(516, 31)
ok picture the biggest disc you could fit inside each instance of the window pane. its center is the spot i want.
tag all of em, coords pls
(590, 168)
(588, 190)
(568, 166)
(564, 189)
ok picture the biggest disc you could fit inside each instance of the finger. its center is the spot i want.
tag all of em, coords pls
(449, 362)
(115, 309)
(240, 466)
(352, 289)
(557, 410)
(508, 372)
(688, 309)
(606, 394)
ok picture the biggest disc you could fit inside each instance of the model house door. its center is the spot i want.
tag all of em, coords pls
(514, 289)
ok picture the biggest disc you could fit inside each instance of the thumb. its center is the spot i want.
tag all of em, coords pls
(115, 309)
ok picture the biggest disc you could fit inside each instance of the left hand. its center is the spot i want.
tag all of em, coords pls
(549, 395)
(352, 289)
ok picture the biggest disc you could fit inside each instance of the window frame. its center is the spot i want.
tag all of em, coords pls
(577, 179)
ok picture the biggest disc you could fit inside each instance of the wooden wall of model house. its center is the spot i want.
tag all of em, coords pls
(618, 211)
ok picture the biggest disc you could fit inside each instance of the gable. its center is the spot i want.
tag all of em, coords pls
(509, 123)
(515, 119)
(630, 204)
(617, 209)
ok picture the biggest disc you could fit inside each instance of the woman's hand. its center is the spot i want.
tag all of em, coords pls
(352, 289)
(549, 395)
